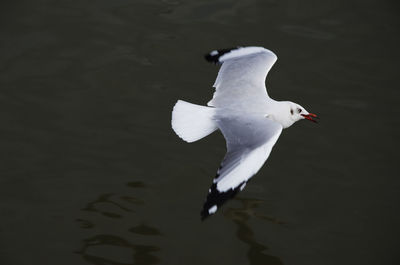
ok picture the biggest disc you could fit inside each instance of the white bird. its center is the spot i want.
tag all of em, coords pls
(241, 109)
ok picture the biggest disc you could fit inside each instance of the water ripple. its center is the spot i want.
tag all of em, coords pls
(92, 251)
(118, 245)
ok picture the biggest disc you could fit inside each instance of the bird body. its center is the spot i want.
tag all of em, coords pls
(241, 109)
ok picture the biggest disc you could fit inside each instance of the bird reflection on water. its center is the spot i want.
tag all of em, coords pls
(241, 217)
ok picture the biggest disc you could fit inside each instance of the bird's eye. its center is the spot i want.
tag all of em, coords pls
(291, 111)
(298, 110)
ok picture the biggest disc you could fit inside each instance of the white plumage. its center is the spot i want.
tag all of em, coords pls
(192, 122)
(241, 109)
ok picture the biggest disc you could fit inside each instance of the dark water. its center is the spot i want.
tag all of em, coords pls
(91, 172)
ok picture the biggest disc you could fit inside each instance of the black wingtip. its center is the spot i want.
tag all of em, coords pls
(213, 57)
(215, 199)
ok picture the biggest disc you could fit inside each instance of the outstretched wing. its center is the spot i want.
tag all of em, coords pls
(241, 78)
(249, 141)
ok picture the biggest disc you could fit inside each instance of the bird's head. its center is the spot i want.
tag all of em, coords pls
(297, 112)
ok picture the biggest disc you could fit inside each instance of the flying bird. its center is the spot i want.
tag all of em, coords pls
(248, 118)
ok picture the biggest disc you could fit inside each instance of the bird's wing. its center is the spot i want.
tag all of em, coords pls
(249, 141)
(241, 78)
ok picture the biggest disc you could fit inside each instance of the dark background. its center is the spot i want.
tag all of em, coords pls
(91, 172)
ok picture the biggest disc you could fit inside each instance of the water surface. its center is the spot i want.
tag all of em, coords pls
(93, 174)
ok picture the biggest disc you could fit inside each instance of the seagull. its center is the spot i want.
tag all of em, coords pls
(250, 121)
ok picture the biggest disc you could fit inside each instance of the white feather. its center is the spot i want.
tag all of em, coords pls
(249, 140)
(192, 122)
(240, 83)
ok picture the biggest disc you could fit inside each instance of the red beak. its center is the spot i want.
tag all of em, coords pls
(310, 117)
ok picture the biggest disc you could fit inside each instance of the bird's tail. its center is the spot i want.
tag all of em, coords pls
(192, 122)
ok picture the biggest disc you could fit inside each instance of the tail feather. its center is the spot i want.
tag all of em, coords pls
(192, 122)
